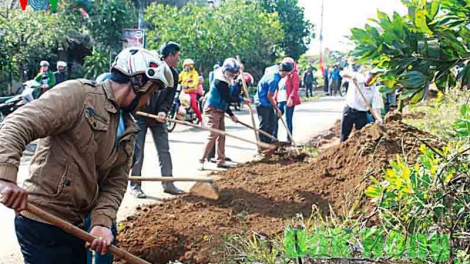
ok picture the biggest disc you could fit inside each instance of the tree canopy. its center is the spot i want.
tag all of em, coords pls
(298, 31)
(209, 35)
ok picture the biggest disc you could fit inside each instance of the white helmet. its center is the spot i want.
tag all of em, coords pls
(139, 61)
(188, 62)
(44, 63)
(61, 64)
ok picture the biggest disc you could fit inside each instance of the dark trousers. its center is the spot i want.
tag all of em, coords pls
(160, 138)
(334, 87)
(289, 111)
(352, 117)
(266, 122)
(325, 86)
(46, 244)
(309, 88)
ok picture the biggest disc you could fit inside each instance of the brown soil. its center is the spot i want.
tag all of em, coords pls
(263, 196)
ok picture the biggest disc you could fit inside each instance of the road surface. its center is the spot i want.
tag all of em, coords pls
(187, 145)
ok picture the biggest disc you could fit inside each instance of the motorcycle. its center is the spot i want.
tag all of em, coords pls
(31, 92)
(181, 111)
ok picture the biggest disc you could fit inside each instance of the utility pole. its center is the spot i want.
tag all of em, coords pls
(321, 38)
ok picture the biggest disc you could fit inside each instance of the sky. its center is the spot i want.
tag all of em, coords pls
(342, 15)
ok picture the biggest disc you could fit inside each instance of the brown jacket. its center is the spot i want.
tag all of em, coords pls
(79, 167)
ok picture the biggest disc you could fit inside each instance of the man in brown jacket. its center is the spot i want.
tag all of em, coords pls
(83, 158)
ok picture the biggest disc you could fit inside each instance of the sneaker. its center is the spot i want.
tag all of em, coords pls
(228, 159)
(223, 166)
(138, 193)
(211, 160)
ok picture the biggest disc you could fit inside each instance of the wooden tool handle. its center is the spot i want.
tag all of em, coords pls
(220, 132)
(367, 103)
(250, 109)
(258, 130)
(289, 134)
(170, 179)
(71, 229)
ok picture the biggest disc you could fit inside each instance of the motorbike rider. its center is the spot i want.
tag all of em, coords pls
(84, 155)
(45, 77)
(189, 80)
(160, 105)
(60, 75)
(217, 105)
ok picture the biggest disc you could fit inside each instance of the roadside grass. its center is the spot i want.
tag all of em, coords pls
(436, 116)
(313, 98)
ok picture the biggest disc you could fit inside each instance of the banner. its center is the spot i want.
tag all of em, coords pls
(133, 38)
(39, 5)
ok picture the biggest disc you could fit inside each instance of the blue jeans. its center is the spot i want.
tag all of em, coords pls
(99, 259)
(289, 111)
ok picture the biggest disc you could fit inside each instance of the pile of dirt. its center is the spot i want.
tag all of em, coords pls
(263, 196)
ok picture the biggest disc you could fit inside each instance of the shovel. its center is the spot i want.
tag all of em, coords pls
(290, 135)
(281, 145)
(250, 108)
(220, 132)
(374, 115)
(71, 229)
(204, 187)
(256, 130)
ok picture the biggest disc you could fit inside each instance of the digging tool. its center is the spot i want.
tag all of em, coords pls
(204, 187)
(220, 132)
(289, 134)
(71, 229)
(250, 108)
(256, 130)
(367, 103)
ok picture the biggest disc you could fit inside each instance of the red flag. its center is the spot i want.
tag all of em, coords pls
(23, 3)
(53, 5)
(321, 64)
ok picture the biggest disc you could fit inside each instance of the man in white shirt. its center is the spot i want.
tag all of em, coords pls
(355, 111)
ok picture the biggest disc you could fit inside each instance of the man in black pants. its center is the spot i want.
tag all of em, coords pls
(264, 99)
(308, 80)
(355, 111)
(160, 105)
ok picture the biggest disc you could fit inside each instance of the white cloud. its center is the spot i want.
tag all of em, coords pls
(342, 15)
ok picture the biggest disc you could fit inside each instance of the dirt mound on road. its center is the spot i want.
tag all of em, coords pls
(263, 197)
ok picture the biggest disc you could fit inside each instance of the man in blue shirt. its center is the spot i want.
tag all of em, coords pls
(335, 80)
(266, 107)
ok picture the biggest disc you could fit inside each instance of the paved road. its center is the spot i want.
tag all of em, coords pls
(186, 148)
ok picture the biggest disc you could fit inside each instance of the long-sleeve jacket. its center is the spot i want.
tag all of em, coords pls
(189, 80)
(81, 164)
(60, 77)
(292, 86)
(51, 81)
(220, 95)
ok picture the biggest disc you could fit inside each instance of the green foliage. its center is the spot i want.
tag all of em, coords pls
(109, 19)
(298, 31)
(209, 35)
(426, 46)
(26, 38)
(96, 64)
(462, 125)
